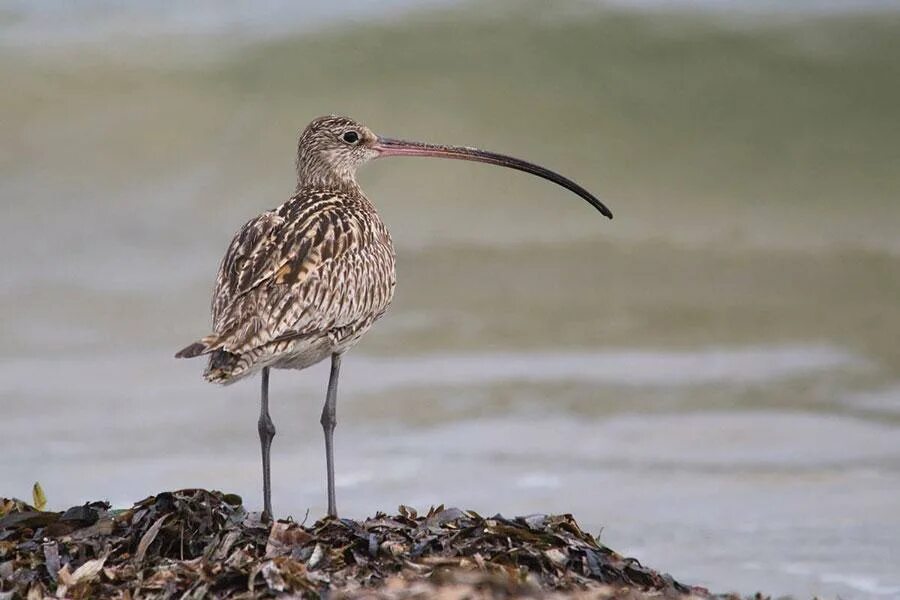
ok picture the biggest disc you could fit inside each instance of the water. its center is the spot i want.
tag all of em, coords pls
(712, 379)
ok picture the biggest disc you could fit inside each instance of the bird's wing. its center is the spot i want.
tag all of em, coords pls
(293, 277)
(252, 256)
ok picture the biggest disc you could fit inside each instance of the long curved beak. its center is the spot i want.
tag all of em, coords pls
(391, 147)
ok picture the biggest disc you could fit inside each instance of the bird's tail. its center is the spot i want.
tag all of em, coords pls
(223, 367)
(200, 347)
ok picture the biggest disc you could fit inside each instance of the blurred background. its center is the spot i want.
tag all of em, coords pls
(712, 379)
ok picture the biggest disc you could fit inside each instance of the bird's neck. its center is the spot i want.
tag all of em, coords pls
(315, 171)
(343, 185)
(327, 181)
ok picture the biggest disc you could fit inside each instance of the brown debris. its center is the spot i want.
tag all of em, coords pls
(201, 544)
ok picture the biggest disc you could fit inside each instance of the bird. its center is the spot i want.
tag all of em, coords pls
(305, 281)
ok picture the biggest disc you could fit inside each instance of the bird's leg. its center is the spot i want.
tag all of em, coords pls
(266, 432)
(329, 420)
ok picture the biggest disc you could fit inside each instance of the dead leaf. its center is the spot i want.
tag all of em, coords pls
(210, 542)
(147, 539)
(285, 536)
(557, 556)
(51, 559)
(100, 528)
(64, 575)
(35, 593)
(225, 545)
(39, 500)
(272, 575)
(88, 570)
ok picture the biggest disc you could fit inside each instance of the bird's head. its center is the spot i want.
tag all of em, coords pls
(331, 149)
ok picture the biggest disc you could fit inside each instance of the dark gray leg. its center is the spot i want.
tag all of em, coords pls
(329, 420)
(266, 433)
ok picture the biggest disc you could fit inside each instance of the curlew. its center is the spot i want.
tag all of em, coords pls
(303, 282)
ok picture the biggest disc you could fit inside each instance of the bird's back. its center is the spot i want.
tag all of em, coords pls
(298, 283)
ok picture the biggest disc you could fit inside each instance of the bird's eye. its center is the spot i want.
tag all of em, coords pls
(351, 137)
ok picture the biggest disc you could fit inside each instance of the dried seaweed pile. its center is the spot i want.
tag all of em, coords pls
(200, 544)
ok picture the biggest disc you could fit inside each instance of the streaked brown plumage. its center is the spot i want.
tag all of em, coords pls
(300, 283)
(306, 280)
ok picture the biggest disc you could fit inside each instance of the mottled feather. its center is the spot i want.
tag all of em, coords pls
(318, 268)
(307, 279)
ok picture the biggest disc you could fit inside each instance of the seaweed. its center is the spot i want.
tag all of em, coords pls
(195, 543)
